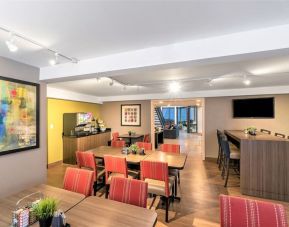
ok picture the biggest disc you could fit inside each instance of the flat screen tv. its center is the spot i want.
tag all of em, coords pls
(253, 108)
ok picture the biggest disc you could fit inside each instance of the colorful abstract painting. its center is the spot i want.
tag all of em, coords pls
(131, 115)
(19, 127)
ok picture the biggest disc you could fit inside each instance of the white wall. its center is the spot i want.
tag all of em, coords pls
(218, 115)
(27, 168)
(200, 119)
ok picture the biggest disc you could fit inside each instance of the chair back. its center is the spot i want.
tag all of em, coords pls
(280, 135)
(174, 148)
(265, 131)
(225, 146)
(219, 134)
(87, 160)
(115, 136)
(146, 138)
(113, 164)
(118, 143)
(156, 171)
(236, 211)
(129, 191)
(78, 180)
(146, 146)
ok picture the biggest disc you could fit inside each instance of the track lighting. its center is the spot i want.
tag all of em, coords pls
(111, 83)
(124, 88)
(11, 43)
(13, 48)
(54, 61)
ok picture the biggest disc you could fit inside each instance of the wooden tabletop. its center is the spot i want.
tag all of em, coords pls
(135, 136)
(175, 161)
(66, 200)
(241, 135)
(95, 211)
(99, 152)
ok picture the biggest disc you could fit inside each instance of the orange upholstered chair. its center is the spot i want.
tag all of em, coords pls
(146, 146)
(78, 180)
(156, 174)
(146, 138)
(87, 160)
(115, 136)
(118, 143)
(238, 212)
(129, 191)
(173, 148)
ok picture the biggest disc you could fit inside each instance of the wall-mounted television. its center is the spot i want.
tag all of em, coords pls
(254, 108)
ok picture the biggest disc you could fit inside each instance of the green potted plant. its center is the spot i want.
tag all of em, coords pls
(129, 133)
(134, 148)
(251, 130)
(44, 211)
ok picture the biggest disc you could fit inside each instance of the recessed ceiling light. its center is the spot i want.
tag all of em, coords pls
(174, 87)
(246, 81)
(55, 60)
(161, 102)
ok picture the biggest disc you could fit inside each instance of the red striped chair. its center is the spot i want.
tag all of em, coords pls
(78, 180)
(115, 167)
(156, 174)
(115, 136)
(173, 148)
(146, 146)
(87, 160)
(129, 191)
(146, 138)
(238, 212)
(118, 143)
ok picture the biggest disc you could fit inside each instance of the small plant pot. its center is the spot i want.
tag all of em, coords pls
(129, 133)
(45, 222)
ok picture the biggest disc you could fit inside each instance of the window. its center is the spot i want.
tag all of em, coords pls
(169, 113)
(182, 116)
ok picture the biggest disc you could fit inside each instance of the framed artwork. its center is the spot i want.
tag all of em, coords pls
(131, 115)
(19, 115)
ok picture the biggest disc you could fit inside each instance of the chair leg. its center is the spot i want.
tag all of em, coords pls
(167, 209)
(106, 191)
(176, 188)
(218, 159)
(94, 188)
(227, 174)
(179, 177)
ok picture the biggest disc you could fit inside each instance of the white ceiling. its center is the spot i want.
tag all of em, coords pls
(266, 69)
(97, 28)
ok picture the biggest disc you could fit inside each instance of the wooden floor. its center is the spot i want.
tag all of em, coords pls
(200, 187)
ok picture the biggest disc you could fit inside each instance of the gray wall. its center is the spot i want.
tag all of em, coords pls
(27, 168)
(218, 115)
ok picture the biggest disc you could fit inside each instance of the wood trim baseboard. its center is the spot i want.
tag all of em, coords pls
(50, 165)
(210, 159)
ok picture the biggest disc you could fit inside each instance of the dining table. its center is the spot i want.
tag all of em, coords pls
(96, 211)
(131, 137)
(66, 200)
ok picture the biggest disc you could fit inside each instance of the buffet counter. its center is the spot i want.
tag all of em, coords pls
(71, 144)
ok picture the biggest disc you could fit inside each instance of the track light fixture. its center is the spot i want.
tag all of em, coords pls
(13, 48)
(11, 43)
(111, 82)
(246, 81)
(174, 87)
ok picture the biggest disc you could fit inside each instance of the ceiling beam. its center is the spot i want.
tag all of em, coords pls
(268, 39)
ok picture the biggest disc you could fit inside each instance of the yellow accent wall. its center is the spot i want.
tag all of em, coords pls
(55, 110)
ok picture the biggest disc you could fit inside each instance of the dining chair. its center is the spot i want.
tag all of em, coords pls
(78, 180)
(220, 152)
(230, 154)
(116, 167)
(280, 135)
(146, 146)
(265, 131)
(118, 143)
(237, 211)
(173, 148)
(87, 160)
(115, 136)
(156, 174)
(130, 191)
(146, 138)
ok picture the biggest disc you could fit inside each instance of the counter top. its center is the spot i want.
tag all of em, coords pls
(241, 135)
(91, 134)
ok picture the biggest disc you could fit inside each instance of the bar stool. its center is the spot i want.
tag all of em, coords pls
(265, 131)
(280, 135)
(230, 154)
